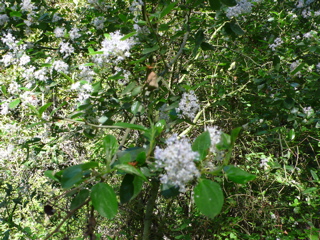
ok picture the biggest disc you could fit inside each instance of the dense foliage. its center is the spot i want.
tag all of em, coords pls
(162, 119)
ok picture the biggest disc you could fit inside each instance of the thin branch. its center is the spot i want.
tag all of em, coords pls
(65, 219)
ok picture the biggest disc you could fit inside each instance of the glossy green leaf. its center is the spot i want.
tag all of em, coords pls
(136, 91)
(225, 143)
(310, 190)
(131, 126)
(208, 197)
(314, 175)
(130, 169)
(202, 145)
(169, 191)
(128, 35)
(141, 158)
(149, 50)
(234, 134)
(215, 4)
(78, 200)
(134, 152)
(291, 134)
(110, 145)
(206, 46)
(136, 107)
(237, 175)
(126, 188)
(128, 88)
(44, 108)
(125, 158)
(49, 174)
(88, 165)
(167, 9)
(104, 200)
(229, 3)
(14, 103)
(71, 176)
(160, 126)
(15, 14)
(297, 69)
(236, 28)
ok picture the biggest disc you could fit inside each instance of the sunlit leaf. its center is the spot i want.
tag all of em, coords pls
(208, 197)
(104, 200)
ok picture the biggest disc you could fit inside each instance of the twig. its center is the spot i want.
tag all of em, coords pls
(65, 219)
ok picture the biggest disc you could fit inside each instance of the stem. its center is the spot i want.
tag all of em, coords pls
(150, 205)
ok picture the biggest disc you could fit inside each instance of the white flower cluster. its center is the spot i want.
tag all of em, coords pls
(74, 33)
(86, 73)
(188, 105)
(84, 90)
(66, 48)
(59, 32)
(17, 54)
(264, 163)
(4, 19)
(29, 97)
(177, 159)
(98, 22)
(277, 42)
(215, 137)
(114, 48)
(308, 111)
(60, 66)
(242, 7)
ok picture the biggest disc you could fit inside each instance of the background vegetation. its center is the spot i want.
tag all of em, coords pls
(88, 87)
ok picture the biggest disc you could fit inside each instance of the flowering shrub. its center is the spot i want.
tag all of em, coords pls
(89, 142)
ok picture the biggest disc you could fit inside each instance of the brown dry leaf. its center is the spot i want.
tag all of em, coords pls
(152, 80)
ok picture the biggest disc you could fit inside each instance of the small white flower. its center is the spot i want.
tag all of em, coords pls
(188, 105)
(177, 159)
(59, 32)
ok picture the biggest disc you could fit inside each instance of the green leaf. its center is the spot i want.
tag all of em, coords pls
(125, 158)
(136, 91)
(199, 37)
(237, 175)
(297, 69)
(229, 3)
(129, 88)
(206, 46)
(128, 36)
(15, 14)
(71, 176)
(134, 152)
(160, 126)
(14, 103)
(44, 107)
(131, 126)
(202, 145)
(314, 175)
(208, 197)
(309, 190)
(78, 200)
(136, 107)
(149, 50)
(291, 134)
(169, 191)
(215, 4)
(225, 143)
(104, 200)
(49, 174)
(141, 158)
(110, 145)
(88, 165)
(236, 28)
(130, 169)
(126, 188)
(234, 134)
(167, 9)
